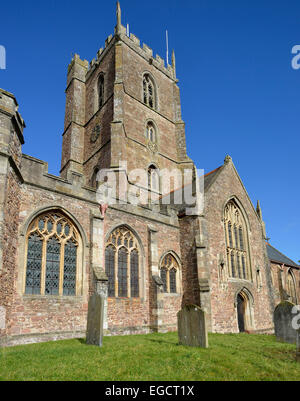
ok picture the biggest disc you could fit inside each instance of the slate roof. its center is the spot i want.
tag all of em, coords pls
(276, 256)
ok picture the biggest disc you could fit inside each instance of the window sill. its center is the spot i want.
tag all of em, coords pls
(239, 280)
(169, 294)
(53, 297)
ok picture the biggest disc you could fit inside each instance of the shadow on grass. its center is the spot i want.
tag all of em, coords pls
(162, 341)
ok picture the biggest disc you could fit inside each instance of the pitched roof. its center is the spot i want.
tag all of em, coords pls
(276, 256)
(210, 177)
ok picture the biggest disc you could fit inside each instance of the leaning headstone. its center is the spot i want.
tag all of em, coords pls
(95, 320)
(192, 327)
(283, 319)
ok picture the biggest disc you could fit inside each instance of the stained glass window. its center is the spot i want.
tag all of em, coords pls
(34, 264)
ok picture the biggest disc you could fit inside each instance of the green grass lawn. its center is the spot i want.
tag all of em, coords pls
(153, 357)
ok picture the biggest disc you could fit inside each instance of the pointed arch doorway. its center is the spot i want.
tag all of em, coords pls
(241, 313)
(244, 310)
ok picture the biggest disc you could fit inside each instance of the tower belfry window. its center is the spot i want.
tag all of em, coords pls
(149, 91)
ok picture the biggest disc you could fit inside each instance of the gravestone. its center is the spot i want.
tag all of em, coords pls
(2, 317)
(283, 319)
(298, 346)
(192, 327)
(95, 320)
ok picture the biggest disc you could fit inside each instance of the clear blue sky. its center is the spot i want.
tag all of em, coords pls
(240, 95)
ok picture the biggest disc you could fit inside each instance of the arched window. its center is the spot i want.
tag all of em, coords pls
(153, 179)
(94, 183)
(151, 132)
(52, 256)
(169, 274)
(122, 264)
(236, 242)
(149, 95)
(291, 288)
(100, 90)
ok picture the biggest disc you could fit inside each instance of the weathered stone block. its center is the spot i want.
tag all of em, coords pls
(192, 328)
(283, 318)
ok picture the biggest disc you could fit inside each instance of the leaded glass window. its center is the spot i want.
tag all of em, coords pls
(134, 273)
(122, 264)
(173, 281)
(236, 242)
(163, 276)
(122, 272)
(34, 264)
(70, 266)
(149, 92)
(169, 274)
(110, 269)
(52, 269)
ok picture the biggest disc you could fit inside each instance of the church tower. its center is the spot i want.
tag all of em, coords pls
(124, 106)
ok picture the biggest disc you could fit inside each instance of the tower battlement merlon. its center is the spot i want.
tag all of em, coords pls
(9, 107)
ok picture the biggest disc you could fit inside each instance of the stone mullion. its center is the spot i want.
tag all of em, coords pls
(128, 275)
(116, 272)
(168, 279)
(61, 267)
(44, 259)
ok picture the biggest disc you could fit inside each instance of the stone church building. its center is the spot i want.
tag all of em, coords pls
(58, 241)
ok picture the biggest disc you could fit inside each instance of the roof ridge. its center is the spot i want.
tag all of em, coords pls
(294, 263)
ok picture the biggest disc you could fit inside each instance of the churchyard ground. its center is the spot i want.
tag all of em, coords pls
(153, 357)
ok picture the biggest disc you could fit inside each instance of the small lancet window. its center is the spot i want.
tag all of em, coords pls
(151, 132)
(153, 179)
(101, 90)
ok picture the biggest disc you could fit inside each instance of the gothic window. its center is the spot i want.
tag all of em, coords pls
(149, 91)
(291, 288)
(101, 90)
(236, 242)
(52, 256)
(169, 274)
(94, 183)
(151, 132)
(122, 264)
(153, 179)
